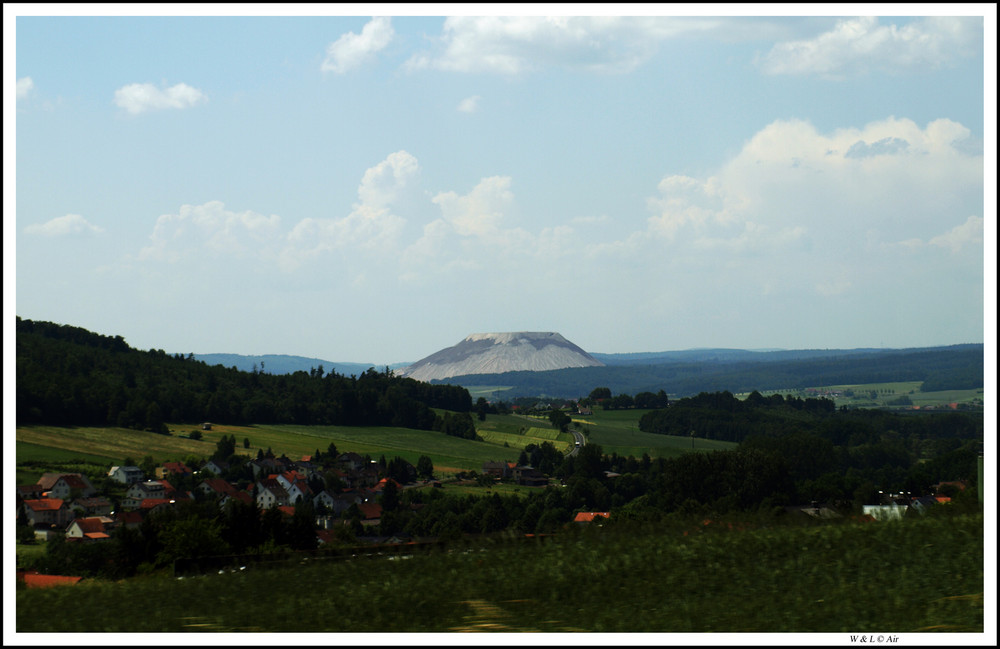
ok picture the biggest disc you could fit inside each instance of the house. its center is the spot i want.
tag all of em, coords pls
(265, 466)
(338, 503)
(48, 480)
(93, 528)
(47, 512)
(153, 505)
(126, 475)
(497, 469)
(218, 467)
(241, 496)
(68, 485)
(216, 487)
(352, 461)
(527, 476)
(380, 486)
(270, 493)
(371, 514)
(923, 503)
(172, 468)
(71, 486)
(129, 519)
(584, 411)
(588, 517)
(28, 492)
(299, 490)
(95, 506)
(142, 491)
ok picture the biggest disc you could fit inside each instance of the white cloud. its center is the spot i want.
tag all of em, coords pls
(370, 226)
(469, 104)
(968, 233)
(24, 87)
(857, 45)
(838, 207)
(514, 45)
(140, 97)
(71, 224)
(479, 212)
(210, 229)
(351, 50)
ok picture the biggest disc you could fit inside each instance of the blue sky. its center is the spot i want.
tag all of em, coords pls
(373, 189)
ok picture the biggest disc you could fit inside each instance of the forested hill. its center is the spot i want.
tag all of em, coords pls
(957, 367)
(70, 376)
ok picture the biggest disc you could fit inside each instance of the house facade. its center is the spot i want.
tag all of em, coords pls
(126, 475)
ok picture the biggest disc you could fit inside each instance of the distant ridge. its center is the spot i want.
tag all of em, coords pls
(285, 364)
(495, 353)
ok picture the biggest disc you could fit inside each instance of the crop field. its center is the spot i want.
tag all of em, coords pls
(885, 392)
(617, 431)
(684, 576)
(113, 443)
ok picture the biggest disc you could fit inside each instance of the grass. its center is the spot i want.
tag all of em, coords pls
(617, 431)
(834, 578)
(887, 392)
(111, 443)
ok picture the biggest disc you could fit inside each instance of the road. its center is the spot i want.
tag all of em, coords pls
(581, 441)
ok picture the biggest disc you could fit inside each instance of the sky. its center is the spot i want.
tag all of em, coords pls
(374, 188)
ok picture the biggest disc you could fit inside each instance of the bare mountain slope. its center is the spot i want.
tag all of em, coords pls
(495, 353)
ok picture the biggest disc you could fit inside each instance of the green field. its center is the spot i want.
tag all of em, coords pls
(886, 392)
(910, 576)
(617, 431)
(502, 438)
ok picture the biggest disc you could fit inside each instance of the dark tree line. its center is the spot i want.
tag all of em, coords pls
(70, 376)
(956, 367)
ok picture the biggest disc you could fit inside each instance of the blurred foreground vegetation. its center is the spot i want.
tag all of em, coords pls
(680, 574)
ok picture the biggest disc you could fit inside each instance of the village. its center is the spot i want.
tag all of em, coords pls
(343, 489)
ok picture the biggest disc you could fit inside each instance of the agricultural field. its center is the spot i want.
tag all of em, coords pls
(503, 437)
(617, 431)
(686, 575)
(860, 395)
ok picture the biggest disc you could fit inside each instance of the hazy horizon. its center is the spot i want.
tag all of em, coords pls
(374, 189)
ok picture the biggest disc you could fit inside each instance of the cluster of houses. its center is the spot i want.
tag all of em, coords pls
(68, 503)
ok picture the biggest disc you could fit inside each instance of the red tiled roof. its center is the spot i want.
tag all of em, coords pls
(45, 581)
(129, 518)
(90, 525)
(149, 503)
(370, 510)
(587, 517)
(73, 481)
(44, 504)
(219, 485)
(287, 510)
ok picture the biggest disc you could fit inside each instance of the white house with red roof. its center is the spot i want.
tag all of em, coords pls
(93, 528)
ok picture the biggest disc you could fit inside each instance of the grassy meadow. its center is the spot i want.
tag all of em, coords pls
(502, 438)
(911, 576)
(886, 392)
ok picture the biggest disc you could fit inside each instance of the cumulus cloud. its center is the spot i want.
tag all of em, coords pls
(24, 87)
(210, 228)
(371, 224)
(71, 224)
(858, 45)
(352, 50)
(141, 97)
(827, 204)
(469, 104)
(513, 45)
(969, 233)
